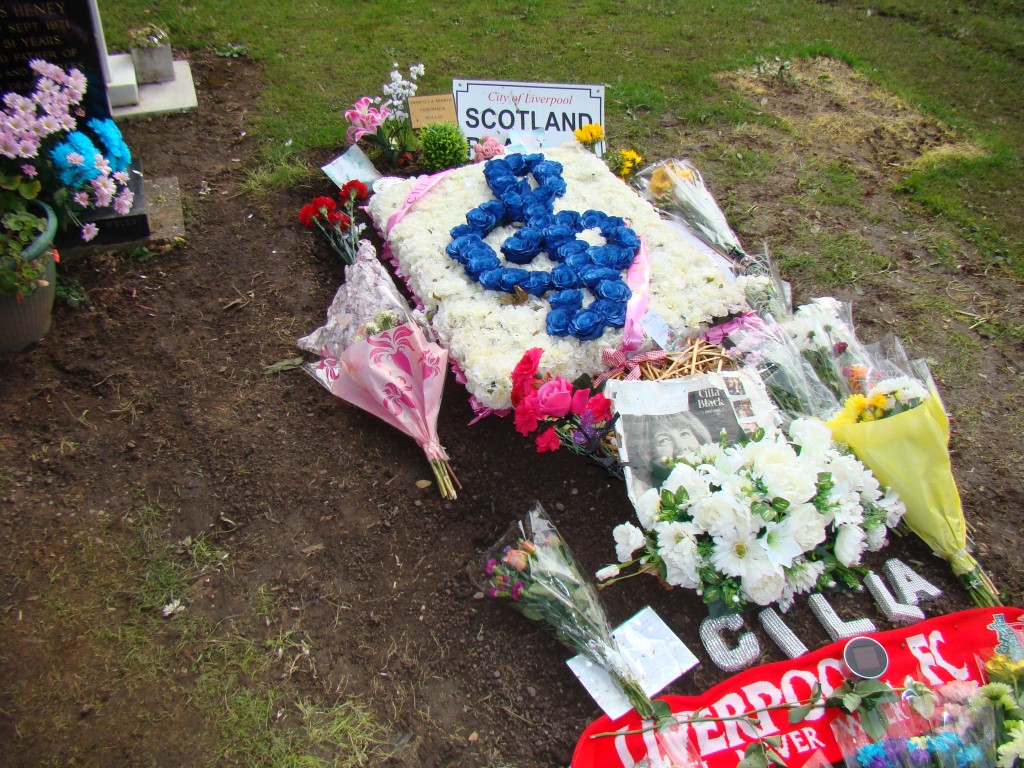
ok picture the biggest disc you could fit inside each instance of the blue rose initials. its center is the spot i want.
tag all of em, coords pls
(580, 265)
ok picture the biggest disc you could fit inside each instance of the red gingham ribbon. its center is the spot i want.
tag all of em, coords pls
(617, 360)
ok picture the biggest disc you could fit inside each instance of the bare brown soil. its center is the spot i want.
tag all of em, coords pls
(154, 393)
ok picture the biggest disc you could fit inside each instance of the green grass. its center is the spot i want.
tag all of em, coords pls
(829, 260)
(108, 594)
(961, 65)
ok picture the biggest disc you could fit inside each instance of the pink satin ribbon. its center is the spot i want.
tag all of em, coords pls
(638, 278)
(419, 189)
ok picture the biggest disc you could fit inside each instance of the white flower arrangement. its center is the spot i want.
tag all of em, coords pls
(759, 521)
(483, 332)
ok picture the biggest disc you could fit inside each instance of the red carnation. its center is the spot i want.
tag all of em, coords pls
(324, 203)
(601, 407)
(354, 190)
(523, 374)
(526, 416)
(307, 214)
(548, 441)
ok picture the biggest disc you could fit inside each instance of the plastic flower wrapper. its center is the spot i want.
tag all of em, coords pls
(823, 332)
(558, 414)
(791, 381)
(532, 568)
(677, 188)
(758, 521)
(375, 355)
(907, 449)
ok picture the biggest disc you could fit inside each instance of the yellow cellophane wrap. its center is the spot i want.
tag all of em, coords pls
(909, 453)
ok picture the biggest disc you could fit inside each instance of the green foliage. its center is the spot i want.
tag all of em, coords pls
(19, 276)
(443, 145)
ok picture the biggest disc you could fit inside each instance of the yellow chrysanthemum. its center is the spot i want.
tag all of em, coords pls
(588, 134)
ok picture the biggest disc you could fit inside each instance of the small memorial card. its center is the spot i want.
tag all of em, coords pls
(653, 651)
(424, 110)
(351, 165)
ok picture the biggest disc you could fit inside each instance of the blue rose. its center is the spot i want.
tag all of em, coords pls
(481, 262)
(513, 205)
(524, 188)
(613, 312)
(569, 219)
(555, 235)
(476, 250)
(482, 220)
(491, 279)
(563, 276)
(611, 256)
(537, 284)
(586, 325)
(578, 260)
(613, 290)
(593, 219)
(530, 161)
(521, 247)
(570, 299)
(500, 166)
(463, 230)
(567, 249)
(501, 184)
(625, 237)
(558, 320)
(539, 218)
(611, 223)
(462, 240)
(547, 168)
(514, 163)
(511, 277)
(556, 184)
(495, 207)
(545, 195)
(591, 276)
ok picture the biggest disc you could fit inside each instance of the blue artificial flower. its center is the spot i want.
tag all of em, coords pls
(538, 218)
(570, 248)
(613, 312)
(593, 219)
(557, 322)
(513, 205)
(579, 260)
(611, 223)
(530, 161)
(567, 299)
(624, 237)
(569, 219)
(511, 277)
(481, 261)
(594, 274)
(547, 168)
(537, 284)
(482, 220)
(564, 276)
(556, 184)
(491, 279)
(515, 163)
(71, 175)
(611, 256)
(501, 184)
(117, 152)
(556, 235)
(613, 290)
(521, 247)
(460, 236)
(586, 325)
(501, 166)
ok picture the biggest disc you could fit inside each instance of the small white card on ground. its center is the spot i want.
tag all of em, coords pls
(653, 651)
(353, 164)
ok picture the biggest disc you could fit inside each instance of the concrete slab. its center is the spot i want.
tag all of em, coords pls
(176, 95)
(122, 89)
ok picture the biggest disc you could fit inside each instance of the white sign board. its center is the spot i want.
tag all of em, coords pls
(501, 109)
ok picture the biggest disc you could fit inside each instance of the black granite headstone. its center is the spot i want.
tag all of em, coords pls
(61, 32)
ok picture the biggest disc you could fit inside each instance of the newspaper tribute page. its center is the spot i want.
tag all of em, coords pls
(661, 419)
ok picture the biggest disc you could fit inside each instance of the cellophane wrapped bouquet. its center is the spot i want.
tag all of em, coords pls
(532, 568)
(375, 354)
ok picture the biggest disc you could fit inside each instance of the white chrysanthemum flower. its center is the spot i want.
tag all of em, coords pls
(608, 572)
(875, 537)
(628, 539)
(850, 543)
(677, 548)
(894, 507)
(803, 576)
